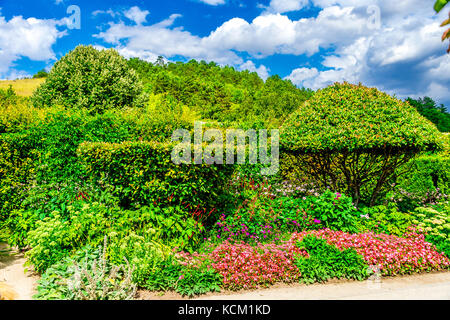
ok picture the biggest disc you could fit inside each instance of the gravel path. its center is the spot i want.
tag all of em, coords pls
(12, 275)
(426, 286)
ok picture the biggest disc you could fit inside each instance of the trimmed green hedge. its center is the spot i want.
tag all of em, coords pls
(427, 173)
(17, 166)
(143, 173)
(354, 117)
(427, 181)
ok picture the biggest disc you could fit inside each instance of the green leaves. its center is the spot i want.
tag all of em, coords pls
(187, 280)
(159, 180)
(356, 118)
(439, 4)
(326, 262)
(106, 82)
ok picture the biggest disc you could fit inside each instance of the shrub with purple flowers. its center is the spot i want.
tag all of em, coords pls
(263, 218)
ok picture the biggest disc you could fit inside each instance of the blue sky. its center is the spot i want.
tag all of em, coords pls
(394, 46)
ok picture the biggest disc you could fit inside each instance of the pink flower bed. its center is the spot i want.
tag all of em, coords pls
(392, 254)
(246, 266)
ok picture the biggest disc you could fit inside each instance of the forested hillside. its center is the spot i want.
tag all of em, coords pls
(222, 93)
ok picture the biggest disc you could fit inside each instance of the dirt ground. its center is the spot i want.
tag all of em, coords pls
(12, 275)
(428, 286)
(420, 286)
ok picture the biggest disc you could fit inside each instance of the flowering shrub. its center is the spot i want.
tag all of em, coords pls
(264, 219)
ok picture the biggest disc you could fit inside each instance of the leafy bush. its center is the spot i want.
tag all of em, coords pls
(86, 276)
(15, 112)
(384, 219)
(38, 202)
(352, 138)
(142, 172)
(17, 167)
(334, 210)
(7, 97)
(169, 225)
(326, 262)
(60, 133)
(437, 226)
(143, 253)
(427, 182)
(56, 237)
(264, 219)
(96, 80)
(187, 280)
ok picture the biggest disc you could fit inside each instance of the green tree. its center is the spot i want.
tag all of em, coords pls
(87, 78)
(436, 114)
(352, 138)
(41, 74)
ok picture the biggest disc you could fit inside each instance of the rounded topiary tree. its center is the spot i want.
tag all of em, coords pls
(353, 139)
(97, 80)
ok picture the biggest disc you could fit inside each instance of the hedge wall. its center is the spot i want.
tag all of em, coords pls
(427, 174)
(142, 173)
(17, 167)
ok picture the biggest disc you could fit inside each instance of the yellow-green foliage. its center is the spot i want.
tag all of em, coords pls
(22, 87)
(445, 139)
(160, 117)
(143, 172)
(353, 117)
(17, 117)
(16, 167)
(291, 167)
(433, 222)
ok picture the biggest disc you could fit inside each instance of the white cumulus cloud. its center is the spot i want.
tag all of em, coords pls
(31, 38)
(262, 70)
(137, 15)
(213, 2)
(281, 6)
